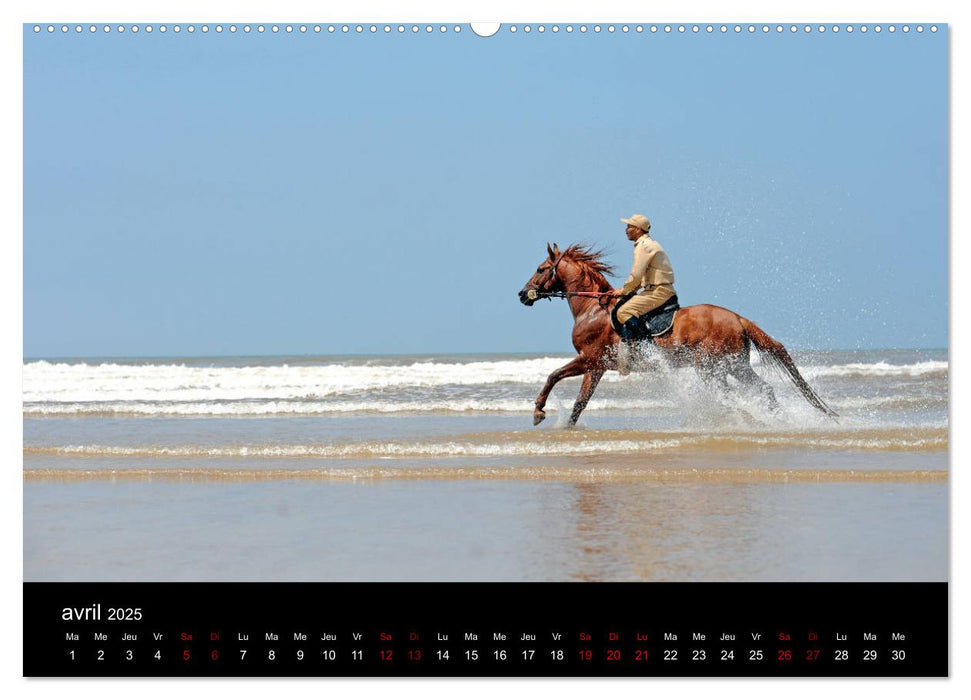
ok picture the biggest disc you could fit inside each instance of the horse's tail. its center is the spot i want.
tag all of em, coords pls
(774, 351)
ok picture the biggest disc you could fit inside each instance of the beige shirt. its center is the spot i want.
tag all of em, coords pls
(651, 266)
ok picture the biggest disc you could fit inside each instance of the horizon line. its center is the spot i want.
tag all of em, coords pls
(38, 358)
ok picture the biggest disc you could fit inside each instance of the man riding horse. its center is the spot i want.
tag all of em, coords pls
(714, 340)
(649, 287)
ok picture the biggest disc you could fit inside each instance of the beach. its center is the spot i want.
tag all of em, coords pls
(411, 468)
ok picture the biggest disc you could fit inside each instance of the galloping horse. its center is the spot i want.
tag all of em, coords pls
(714, 340)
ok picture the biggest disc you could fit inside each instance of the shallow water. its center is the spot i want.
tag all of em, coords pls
(393, 530)
(428, 468)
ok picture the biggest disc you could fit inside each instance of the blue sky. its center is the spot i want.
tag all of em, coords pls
(317, 194)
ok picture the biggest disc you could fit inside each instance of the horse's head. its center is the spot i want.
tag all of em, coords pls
(545, 279)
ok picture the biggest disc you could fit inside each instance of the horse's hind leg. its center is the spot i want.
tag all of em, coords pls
(747, 377)
(590, 381)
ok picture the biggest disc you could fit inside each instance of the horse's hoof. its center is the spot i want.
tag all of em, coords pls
(539, 415)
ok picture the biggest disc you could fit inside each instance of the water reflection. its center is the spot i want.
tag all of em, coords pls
(744, 532)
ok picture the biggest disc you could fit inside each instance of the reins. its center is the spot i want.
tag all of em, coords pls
(604, 297)
(534, 294)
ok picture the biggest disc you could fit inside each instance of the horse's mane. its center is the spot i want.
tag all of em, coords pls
(591, 263)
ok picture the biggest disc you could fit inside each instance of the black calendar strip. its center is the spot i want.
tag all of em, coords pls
(563, 629)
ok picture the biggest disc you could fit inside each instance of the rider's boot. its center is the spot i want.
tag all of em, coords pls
(627, 350)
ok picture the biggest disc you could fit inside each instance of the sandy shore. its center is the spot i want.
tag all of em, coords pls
(484, 530)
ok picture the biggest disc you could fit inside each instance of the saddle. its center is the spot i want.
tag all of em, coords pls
(652, 324)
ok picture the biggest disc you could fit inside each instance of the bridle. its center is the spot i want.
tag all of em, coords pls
(553, 270)
(604, 298)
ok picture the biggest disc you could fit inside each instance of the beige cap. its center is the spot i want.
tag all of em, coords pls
(638, 220)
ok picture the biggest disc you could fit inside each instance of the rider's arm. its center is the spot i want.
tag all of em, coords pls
(642, 260)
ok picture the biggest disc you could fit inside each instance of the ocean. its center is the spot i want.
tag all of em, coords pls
(429, 468)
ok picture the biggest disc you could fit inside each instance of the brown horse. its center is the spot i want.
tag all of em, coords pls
(714, 340)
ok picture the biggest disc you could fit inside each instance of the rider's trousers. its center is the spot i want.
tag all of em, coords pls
(640, 304)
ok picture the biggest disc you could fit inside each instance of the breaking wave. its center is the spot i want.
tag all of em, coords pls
(376, 386)
(561, 443)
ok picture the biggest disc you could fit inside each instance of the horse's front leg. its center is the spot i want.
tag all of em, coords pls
(574, 367)
(590, 381)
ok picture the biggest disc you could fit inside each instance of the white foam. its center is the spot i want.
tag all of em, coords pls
(360, 386)
(63, 382)
(269, 408)
(387, 449)
(877, 369)
(923, 439)
(892, 401)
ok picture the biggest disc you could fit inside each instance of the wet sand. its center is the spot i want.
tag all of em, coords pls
(383, 528)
